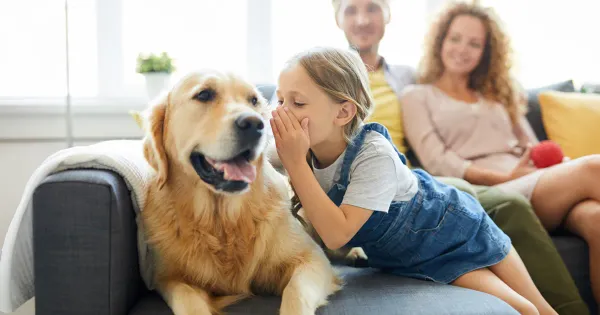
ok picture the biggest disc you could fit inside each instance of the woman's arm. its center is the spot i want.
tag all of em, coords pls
(335, 225)
(480, 176)
(423, 138)
(433, 153)
(522, 129)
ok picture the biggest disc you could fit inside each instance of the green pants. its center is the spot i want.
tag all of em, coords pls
(514, 215)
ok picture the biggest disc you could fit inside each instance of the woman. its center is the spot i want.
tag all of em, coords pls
(465, 120)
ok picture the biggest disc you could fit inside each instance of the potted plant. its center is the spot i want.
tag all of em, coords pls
(157, 71)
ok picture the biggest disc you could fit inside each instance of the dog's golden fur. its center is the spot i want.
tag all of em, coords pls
(212, 248)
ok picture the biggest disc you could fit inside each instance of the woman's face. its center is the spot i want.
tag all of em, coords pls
(363, 22)
(464, 44)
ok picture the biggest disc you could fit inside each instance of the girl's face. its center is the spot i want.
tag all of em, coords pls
(305, 99)
(463, 46)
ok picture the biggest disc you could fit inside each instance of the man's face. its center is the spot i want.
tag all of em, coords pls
(363, 22)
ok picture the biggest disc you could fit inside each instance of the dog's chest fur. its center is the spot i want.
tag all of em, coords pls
(218, 247)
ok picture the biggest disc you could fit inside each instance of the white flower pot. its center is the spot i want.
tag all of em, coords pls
(156, 82)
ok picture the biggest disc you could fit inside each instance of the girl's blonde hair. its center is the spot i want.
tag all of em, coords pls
(343, 76)
(492, 76)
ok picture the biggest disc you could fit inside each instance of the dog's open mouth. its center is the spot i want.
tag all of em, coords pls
(236, 169)
(229, 175)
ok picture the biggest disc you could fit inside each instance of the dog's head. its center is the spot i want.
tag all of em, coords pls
(209, 125)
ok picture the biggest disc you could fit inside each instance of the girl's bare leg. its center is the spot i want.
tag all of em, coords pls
(513, 272)
(509, 281)
(484, 280)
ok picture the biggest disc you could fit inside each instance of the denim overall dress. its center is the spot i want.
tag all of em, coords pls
(438, 235)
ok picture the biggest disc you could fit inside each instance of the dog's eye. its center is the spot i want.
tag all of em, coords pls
(206, 95)
(254, 100)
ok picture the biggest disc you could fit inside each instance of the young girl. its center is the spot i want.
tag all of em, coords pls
(407, 223)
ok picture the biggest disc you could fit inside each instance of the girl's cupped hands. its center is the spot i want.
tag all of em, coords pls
(291, 137)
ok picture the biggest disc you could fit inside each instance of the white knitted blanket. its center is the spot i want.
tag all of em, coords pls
(124, 157)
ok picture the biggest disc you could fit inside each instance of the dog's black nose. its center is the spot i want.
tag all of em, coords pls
(250, 127)
(249, 122)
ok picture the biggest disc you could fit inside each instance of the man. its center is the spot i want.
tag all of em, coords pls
(363, 23)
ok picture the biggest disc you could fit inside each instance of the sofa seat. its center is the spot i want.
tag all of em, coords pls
(367, 291)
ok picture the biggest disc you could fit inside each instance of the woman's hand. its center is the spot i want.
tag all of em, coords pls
(291, 137)
(524, 167)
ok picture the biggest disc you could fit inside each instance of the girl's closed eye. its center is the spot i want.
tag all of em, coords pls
(296, 103)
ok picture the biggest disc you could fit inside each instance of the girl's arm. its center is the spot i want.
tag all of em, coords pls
(335, 225)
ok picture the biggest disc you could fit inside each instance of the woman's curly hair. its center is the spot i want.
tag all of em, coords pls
(492, 76)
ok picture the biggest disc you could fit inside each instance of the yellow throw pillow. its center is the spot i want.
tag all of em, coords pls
(573, 121)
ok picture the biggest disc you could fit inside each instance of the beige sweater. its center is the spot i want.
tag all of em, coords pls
(448, 135)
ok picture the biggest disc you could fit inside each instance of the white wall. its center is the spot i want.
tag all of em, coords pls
(17, 162)
(30, 134)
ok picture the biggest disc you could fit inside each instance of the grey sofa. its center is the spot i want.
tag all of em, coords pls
(86, 262)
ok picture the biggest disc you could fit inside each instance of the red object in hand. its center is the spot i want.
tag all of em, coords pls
(546, 153)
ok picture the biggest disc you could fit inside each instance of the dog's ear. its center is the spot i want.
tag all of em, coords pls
(154, 146)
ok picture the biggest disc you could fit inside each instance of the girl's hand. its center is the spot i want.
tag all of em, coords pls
(291, 137)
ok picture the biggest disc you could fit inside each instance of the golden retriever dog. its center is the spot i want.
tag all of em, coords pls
(217, 216)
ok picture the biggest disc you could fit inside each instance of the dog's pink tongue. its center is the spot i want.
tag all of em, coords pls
(239, 170)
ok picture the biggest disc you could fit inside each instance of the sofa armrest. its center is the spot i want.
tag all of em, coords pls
(85, 248)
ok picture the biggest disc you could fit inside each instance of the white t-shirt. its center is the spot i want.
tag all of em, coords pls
(377, 176)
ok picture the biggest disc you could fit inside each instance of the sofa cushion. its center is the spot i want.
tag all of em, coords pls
(534, 115)
(369, 292)
(571, 120)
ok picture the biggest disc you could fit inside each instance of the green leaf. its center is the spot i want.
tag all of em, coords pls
(154, 63)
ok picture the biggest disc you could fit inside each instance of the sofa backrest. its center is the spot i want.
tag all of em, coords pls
(266, 90)
(534, 114)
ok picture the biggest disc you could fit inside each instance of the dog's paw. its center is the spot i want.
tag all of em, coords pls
(356, 253)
